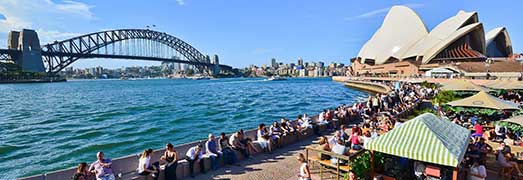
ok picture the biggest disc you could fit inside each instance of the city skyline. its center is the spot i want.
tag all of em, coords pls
(250, 35)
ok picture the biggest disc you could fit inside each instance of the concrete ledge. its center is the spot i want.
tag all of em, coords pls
(368, 86)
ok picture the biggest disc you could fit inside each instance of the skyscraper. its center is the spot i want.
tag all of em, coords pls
(300, 61)
(273, 63)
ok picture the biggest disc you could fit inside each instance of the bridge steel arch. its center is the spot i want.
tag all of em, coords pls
(60, 54)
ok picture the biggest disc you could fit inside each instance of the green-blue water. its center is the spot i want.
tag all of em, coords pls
(47, 127)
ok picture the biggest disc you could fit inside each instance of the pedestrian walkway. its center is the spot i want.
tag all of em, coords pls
(281, 164)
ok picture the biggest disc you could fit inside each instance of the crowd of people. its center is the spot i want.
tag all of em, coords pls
(366, 120)
(223, 148)
(512, 96)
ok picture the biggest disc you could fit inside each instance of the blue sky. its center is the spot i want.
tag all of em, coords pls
(244, 32)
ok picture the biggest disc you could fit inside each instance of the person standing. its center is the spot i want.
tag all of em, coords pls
(212, 150)
(170, 156)
(102, 168)
(195, 155)
(305, 173)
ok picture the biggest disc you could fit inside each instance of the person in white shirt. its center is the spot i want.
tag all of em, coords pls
(340, 149)
(305, 173)
(145, 167)
(195, 155)
(321, 117)
(264, 138)
(478, 171)
(334, 139)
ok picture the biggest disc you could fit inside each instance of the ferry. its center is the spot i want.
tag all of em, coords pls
(201, 78)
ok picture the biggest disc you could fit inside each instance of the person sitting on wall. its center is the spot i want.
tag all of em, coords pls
(195, 155)
(264, 138)
(234, 140)
(170, 156)
(145, 167)
(226, 149)
(212, 150)
(303, 124)
(81, 172)
(102, 168)
(286, 126)
(247, 141)
(276, 133)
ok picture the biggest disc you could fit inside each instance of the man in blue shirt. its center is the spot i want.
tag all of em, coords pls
(211, 149)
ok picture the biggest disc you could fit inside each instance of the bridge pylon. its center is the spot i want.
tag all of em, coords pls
(28, 43)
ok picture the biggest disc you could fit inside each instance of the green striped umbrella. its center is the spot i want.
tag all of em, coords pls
(425, 138)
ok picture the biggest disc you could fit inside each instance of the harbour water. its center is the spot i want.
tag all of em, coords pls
(52, 126)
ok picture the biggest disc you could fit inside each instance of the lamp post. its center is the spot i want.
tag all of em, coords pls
(487, 64)
(520, 78)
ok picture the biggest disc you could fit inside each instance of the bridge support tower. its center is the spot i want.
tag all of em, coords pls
(216, 67)
(31, 57)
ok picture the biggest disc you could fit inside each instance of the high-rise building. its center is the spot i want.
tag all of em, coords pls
(300, 61)
(273, 63)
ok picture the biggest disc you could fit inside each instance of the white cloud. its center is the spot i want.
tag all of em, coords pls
(381, 11)
(51, 19)
(52, 35)
(77, 8)
(180, 2)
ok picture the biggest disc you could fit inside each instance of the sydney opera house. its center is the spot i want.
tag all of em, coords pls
(403, 46)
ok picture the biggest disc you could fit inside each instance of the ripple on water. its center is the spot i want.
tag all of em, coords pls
(7, 149)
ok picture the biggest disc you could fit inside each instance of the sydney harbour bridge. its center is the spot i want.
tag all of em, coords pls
(24, 49)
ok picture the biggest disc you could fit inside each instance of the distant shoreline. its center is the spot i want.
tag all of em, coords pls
(31, 81)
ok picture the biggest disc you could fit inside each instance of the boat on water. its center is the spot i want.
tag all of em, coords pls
(276, 78)
(201, 78)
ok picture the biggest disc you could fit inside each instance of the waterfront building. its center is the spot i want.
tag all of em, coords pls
(274, 64)
(402, 46)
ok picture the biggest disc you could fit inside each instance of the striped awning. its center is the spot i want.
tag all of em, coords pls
(425, 138)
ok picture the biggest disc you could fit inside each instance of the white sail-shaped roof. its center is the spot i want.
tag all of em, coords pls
(401, 29)
(443, 43)
(441, 33)
(491, 36)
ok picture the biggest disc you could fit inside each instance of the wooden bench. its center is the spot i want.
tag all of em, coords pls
(329, 166)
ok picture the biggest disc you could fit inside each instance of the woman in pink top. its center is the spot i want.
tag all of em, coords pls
(479, 130)
(355, 141)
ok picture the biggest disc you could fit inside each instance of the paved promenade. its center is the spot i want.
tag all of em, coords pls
(281, 164)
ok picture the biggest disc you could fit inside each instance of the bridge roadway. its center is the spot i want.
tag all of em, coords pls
(4, 52)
